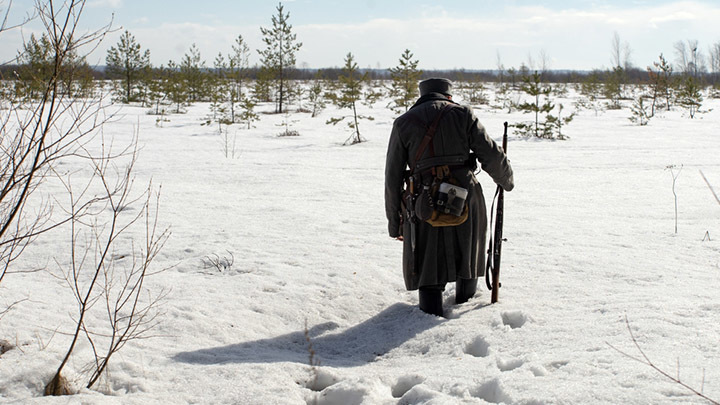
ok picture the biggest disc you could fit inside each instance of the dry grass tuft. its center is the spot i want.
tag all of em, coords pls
(59, 385)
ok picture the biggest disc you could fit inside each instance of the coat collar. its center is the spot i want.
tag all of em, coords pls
(431, 97)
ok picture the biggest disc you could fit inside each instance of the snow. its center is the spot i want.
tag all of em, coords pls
(299, 223)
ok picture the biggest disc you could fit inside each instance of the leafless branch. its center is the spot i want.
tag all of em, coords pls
(710, 187)
(5, 13)
(9, 307)
(646, 360)
(35, 134)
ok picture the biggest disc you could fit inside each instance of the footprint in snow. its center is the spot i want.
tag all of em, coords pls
(479, 347)
(514, 319)
(321, 379)
(557, 364)
(405, 384)
(492, 392)
(509, 364)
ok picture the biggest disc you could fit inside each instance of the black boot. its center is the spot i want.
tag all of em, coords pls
(464, 289)
(431, 300)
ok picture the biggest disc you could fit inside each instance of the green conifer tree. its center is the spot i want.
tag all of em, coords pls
(690, 95)
(156, 89)
(37, 65)
(238, 64)
(316, 95)
(219, 90)
(176, 87)
(404, 87)
(661, 80)
(262, 88)
(640, 114)
(127, 62)
(473, 90)
(247, 111)
(613, 87)
(558, 122)
(540, 104)
(278, 57)
(349, 94)
(192, 69)
(591, 90)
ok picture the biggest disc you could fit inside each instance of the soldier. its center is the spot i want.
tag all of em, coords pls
(439, 253)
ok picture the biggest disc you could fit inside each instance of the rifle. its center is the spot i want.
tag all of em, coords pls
(492, 269)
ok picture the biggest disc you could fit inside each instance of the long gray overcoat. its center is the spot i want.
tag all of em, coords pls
(442, 254)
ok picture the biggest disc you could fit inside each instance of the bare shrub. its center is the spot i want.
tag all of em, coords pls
(219, 263)
(290, 132)
(36, 134)
(106, 271)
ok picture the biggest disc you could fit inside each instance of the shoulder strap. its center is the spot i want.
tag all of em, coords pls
(429, 135)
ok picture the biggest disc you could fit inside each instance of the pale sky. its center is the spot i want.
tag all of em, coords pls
(442, 34)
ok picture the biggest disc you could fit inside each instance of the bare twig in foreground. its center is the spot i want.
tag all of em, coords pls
(710, 187)
(645, 360)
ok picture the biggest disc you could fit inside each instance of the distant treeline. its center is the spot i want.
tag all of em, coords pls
(634, 75)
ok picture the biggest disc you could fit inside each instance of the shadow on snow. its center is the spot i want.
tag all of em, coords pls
(354, 346)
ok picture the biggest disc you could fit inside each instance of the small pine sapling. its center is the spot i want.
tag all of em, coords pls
(156, 94)
(690, 95)
(278, 57)
(715, 90)
(561, 90)
(262, 88)
(403, 88)
(660, 83)
(176, 87)
(127, 62)
(316, 95)
(639, 110)
(237, 66)
(287, 124)
(613, 89)
(590, 93)
(296, 96)
(558, 122)
(474, 91)
(503, 97)
(218, 90)
(247, 111)
(540, 104)
(372, 94)
(194, 74)
(350, 93)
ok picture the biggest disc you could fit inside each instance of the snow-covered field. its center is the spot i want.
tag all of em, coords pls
(591, 243)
